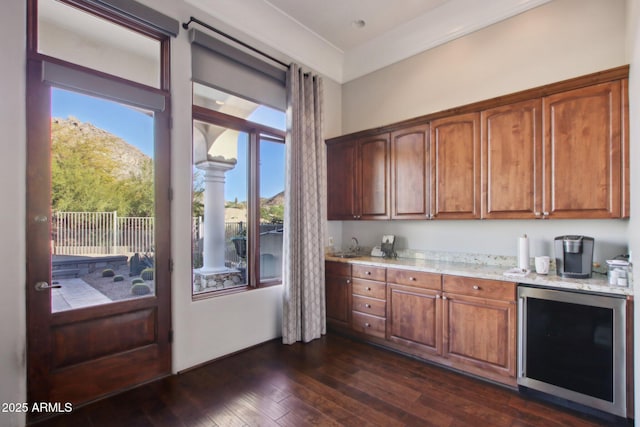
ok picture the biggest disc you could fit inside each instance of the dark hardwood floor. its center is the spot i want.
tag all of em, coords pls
(329, 382)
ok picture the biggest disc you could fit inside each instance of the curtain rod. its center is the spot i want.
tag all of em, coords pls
(185, 25)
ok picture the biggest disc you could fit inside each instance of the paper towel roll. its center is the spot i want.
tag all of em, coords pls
(523, 252)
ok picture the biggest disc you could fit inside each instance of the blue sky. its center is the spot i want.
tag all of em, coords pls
(127, 123)
(136, 127)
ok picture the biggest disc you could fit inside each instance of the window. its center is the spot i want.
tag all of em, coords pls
(238, 193)
(75, 36)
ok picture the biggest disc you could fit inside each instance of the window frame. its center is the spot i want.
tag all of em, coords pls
(256, 132)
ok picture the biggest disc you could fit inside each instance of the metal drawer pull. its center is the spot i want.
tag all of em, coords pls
(444, 297)
(368, 288)
(367, 305)
(368, 273)
(437, 296)
(348, 281)
(368, 325)
(412, 278)
(476, 287)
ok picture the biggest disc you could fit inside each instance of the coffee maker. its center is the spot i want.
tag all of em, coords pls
(574, 256)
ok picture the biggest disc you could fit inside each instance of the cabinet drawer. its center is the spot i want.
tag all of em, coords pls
(367, 324)
(415, 278)
(369, 272)
(333, 268)
(368, 288)
(373, 306)
(483, 288)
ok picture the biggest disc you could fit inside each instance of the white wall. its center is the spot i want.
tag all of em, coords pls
(633, 55)
(12, 212)
(556, 41)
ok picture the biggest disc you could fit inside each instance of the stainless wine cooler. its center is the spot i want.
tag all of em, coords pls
(572, 345)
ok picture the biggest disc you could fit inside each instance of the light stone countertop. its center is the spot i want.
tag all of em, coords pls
(482, 270)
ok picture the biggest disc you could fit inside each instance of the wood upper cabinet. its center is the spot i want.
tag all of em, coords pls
(582, 152)
(358, 179)
(512, 161)
(410, 173)
(341, 180)
(557, 151)
(455, 168)
(338, 292)
(373, 174)
(480, 326)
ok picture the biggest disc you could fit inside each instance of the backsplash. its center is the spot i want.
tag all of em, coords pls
(468, 258)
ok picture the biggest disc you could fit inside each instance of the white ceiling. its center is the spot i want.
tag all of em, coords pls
(320, 34)
(334, 20)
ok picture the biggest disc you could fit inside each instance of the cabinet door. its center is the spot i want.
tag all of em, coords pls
(341, 180)
(480, 334)
(512, 161)
(455, 160)
(414, 318)
(410, 173)
(337, 294)
(582, 152)
(374, 178)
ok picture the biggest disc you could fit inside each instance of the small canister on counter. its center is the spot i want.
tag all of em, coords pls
(619, 272)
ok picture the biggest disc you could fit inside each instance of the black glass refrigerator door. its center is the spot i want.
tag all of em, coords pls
(571, 346)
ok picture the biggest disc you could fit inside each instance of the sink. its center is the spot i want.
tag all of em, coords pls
(345, 255)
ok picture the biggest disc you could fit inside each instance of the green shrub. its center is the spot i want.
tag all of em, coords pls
(136, 281)
(147, 274)
(140, 289)
(107, 272)
(118, 278)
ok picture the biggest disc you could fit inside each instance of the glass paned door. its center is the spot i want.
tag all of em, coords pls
(102, 201)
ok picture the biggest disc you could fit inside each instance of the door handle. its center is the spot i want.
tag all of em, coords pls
(43, 286)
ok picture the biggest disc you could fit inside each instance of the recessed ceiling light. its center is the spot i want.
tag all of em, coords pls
(358, 23)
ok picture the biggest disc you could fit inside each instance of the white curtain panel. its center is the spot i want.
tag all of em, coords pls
(304, 310)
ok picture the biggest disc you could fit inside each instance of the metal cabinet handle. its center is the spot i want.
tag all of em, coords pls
(476, 287)
(443, 297)
(437, 296)
(367, 305)
(348, 281)
(367, 325)
(413, 279)
(368, 273)
(367, 288)
(43, 286)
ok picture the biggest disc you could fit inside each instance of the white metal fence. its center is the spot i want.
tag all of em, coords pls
(101, 233)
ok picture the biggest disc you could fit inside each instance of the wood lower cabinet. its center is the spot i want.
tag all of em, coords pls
(368, 315)
(479, 322)
(459, 322)
(338, 293)
(414, 311)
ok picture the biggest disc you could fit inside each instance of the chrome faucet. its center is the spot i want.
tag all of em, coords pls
(355, 246)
